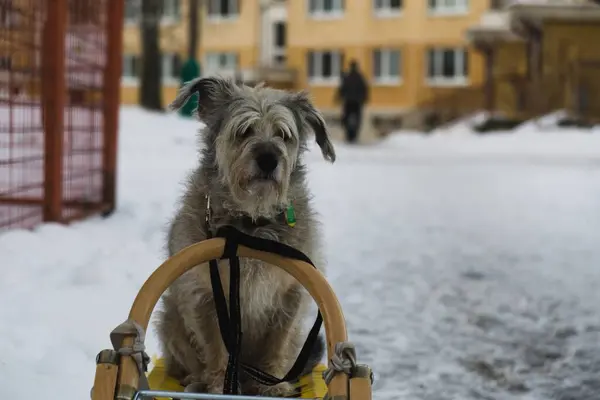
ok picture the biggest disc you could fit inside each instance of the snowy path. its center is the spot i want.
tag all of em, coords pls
(467, 267)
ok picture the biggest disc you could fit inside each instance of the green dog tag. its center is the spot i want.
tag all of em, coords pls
(290, 216)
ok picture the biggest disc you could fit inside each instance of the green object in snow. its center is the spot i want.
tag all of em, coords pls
(190, 70)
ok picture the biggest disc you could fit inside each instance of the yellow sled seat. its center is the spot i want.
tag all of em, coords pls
(159, 380)
(309, 386)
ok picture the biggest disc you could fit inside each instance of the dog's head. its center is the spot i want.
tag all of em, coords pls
(255, 136)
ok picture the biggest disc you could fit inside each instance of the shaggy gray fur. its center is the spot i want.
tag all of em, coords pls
(241, 123)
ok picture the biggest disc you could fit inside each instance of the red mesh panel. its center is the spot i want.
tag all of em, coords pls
(83, 146)
(30, 160)
(21, 128)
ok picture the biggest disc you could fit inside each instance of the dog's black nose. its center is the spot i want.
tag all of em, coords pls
(267, 161)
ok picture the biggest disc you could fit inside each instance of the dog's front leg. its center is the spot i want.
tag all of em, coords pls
(278, 348)
(216, 358)
(275, 361)
(210, 377)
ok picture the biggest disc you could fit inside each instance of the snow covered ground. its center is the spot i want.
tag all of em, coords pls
(467, 266)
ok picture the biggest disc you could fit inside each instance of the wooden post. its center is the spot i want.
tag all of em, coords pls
(112, 77)
(107, 370)
(536, 53)
(53, 104)
(533, 96)
(490, 55)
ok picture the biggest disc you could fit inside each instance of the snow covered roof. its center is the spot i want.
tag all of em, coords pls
(492, 25)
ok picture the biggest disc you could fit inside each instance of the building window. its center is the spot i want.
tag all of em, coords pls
(224, 64)
(279, 42)
(280, 34)
(325, 8)
(131, 68)
(447, 66)
(171, 67)
(387, 7)
(132, 10)
(325, 66)
(223, 9)
(171, 9)
(448, 6)
(387, 66)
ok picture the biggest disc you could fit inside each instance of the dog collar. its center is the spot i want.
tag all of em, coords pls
(249, 223)
(289, 216)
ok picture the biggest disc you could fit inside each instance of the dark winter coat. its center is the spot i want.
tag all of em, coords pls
(353, 88)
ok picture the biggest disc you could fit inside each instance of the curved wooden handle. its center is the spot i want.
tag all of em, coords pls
(201, 253)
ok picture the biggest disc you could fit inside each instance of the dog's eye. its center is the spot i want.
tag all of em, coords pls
(280, 133)
(244, 134)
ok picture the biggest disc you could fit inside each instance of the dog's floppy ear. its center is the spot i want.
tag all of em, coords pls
(305, 112)
(213, 93)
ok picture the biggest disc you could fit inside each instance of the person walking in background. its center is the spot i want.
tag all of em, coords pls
(353, 92)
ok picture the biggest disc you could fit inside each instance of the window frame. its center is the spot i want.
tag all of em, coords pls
(279, 51)
(132, 60)
(319, 13)
(461, 66)
(230, 70)
(317, 65)
(386, 10)
(136, 8)
(442, 8)
(386, 78)
(168, 75)
(212, 16)
(171, 18)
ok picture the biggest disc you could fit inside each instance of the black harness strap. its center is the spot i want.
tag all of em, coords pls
(230, 323)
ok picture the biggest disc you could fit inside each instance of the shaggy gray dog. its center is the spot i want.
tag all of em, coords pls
(251, 170)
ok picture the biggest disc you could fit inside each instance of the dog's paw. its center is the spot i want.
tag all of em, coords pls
(193, 384)
(214, 389)
(195, 387)
(281, 390)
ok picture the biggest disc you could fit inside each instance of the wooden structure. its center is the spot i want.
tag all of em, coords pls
(541, 58)
(60, 67)
(117, 372)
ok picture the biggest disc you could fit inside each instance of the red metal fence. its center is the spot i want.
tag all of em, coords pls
(60, 65)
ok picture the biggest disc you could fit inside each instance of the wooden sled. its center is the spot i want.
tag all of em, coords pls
(121, 374)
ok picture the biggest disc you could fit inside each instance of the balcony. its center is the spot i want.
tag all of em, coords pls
(494, 25)
(494, 19)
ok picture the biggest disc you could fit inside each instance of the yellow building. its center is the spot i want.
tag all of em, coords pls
(541, 58)
(230, 33)
(173, 45)
(410, 51)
